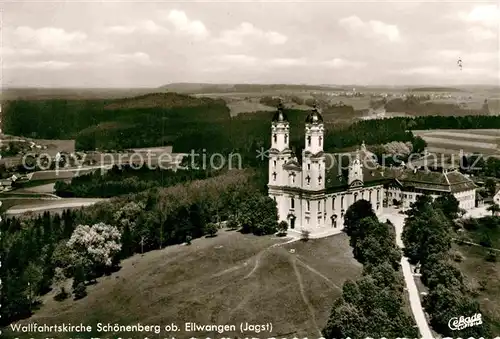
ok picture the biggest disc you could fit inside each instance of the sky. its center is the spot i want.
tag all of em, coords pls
(152, 43)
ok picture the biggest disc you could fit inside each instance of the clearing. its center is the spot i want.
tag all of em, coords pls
(229, 279)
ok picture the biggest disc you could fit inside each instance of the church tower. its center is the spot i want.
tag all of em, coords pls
(355, 175)
(280, 151)
(313, 157)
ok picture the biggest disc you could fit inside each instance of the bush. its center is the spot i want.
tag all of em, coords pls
(232, 223)
(62, 295)
(305, 235)
(491, 256)
(282, 228)
(211, 229)
(80, 291)
(188, 240)
(457, 256)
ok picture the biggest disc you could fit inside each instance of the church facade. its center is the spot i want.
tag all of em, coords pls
(314, 193)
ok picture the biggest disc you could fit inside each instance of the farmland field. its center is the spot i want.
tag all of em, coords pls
(485, 141)
(229, 279)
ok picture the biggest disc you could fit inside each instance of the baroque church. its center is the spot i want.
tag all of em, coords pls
(314, 193)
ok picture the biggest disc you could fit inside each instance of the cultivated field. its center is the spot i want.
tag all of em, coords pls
(229, 279)
(485, 141)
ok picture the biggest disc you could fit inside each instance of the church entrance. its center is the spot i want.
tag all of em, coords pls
(292, 218)
(334, 221)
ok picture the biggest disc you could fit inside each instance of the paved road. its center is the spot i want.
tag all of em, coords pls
(66, 203)
(415, 303)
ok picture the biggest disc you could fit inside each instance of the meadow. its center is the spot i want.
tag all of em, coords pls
(228, 279)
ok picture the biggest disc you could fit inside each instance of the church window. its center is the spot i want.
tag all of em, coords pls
(308, 167)
(333, 203)
(370, 196)
(342, 202)
(292, 203)
(355, 197)
(274, 163)
(308, 205)
(274, 199)
(274, 176)
(308, 180)
(286, 138)
(319, 205)
(319, 140)
(378, 194)
(319, 180)
(309, 140)
(275, 138)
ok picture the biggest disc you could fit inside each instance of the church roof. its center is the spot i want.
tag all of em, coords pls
(373, 174)
(314, 117)
(280, 115)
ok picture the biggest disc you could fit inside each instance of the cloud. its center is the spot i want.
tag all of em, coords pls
(145, 26)
(286, 62)
(239, 59)
(443, 72)
(488, 15)
(372, 28)
(481, 33)
(51, 40)
(50, 65)
(9, 51)
(342, 63)
(246, 31)
(183, 24)
(137, 57)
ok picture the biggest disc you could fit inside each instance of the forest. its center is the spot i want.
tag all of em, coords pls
(190, 123)
(39, 252)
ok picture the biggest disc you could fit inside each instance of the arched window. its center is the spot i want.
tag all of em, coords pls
(309, 140)
(333, 203)
(286, 138)
(274, 163)
(292, 203)
(378, 194)
(308, 206)
(275, 138)
(308, 167)
(342, 202)
(319, 205)
(320, 140)
(274, 176)
(320, 179)
(308, 180)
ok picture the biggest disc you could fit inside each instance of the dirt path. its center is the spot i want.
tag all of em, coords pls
(304, 297)
(330, 283)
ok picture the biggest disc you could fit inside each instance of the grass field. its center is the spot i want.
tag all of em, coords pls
(229, 279)
(452, 141)
(476, 269)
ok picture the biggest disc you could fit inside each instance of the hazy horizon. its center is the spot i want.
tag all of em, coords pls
(150, 44)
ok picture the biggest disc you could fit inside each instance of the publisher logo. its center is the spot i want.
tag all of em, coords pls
(459, 323)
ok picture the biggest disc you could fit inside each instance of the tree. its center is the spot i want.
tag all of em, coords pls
(282, 227)
(80, 291)
(490, 186)
(449, 205)
(95, 246)
(494, 209)
(305, 235)
(211, 229)
(355, 213)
